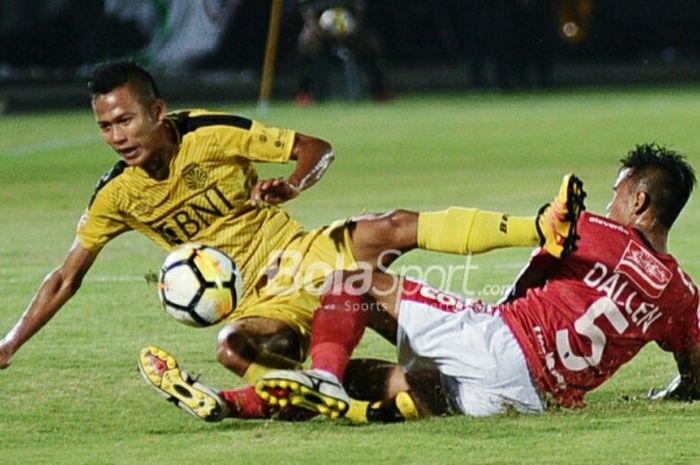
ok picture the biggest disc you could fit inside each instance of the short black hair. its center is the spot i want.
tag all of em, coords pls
(666, 174)
(106, 77)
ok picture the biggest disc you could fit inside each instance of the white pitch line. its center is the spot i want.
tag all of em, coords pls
(509, 265)
(116, 279)
(50, 145)
(93, 279)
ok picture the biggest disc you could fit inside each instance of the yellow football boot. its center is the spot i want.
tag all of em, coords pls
(161, 372)
(556, 221)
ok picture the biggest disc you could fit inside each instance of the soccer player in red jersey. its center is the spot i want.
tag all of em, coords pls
(566, 327)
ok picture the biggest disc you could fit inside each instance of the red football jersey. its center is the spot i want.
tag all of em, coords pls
(598, 307)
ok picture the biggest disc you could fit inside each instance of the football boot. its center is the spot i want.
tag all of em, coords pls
(162, 372)
(556, 221)
(314, 390)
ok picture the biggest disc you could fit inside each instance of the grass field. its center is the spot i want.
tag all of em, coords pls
(74, 396)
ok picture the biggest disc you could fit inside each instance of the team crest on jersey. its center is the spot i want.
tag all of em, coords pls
(195, 177)
(644, 269)
(142, 208)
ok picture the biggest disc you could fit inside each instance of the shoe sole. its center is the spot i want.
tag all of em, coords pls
(191, 397)
(301, 396)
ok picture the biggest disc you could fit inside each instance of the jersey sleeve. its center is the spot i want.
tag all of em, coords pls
(258, 143)
(100, 223)
(686, 333)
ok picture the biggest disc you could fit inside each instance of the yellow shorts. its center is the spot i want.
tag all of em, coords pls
(294, 292)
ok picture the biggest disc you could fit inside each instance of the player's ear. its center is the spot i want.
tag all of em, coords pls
(159, 109)
(642, 202)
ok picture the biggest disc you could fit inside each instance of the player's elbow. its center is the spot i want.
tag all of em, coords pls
(324, 151)
(329, 156)
(311, 148)
(327, 147)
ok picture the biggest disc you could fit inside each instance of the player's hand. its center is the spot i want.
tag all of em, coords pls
(5, 355)
(274, 191)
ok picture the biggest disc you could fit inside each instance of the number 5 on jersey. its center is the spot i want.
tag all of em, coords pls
(585, 326)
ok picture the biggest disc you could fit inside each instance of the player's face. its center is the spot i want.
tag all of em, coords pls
(621, 206)
(133, 129)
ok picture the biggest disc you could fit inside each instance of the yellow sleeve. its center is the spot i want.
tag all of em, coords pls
(100, 223)
(259, 143)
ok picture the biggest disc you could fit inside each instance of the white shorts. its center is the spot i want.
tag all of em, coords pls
(481, 365)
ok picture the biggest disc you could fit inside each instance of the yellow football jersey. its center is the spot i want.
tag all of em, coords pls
(205, 198)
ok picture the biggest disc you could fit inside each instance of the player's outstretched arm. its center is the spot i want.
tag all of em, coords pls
(58, 287)
(313, 157)
(685, 386)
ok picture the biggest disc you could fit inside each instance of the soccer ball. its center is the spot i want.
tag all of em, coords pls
(337, 22)
(199, 285)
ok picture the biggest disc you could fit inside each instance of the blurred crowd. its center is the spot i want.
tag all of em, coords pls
(502, 44)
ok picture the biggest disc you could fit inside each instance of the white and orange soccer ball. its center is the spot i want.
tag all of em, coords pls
(199, 285)
(337, 22)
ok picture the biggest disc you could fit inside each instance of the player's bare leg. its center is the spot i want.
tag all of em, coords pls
(252, 346)
(386, 394)
(380, 239)
(373, 379)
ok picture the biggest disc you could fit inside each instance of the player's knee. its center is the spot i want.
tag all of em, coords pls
(380, 239)
(398, 230)
(286, 344)
(235, 350)
(403, 222)
(239, 345)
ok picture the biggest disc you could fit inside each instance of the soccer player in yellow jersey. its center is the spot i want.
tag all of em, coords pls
(189, 177)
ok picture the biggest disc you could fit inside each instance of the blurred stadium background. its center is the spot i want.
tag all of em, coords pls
(46, 48)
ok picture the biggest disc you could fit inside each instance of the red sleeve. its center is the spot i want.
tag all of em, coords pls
(685, 332)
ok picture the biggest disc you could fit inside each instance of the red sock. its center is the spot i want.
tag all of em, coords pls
(246, 403)
(337, 327)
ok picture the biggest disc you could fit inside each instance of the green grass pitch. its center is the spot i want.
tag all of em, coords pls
(74, 396)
